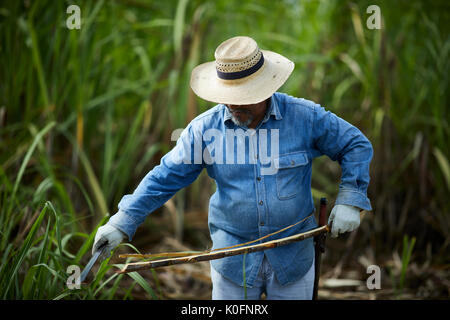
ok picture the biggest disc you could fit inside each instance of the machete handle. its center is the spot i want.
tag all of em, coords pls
(323, 212)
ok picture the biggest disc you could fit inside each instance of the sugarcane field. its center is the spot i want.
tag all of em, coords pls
(198, 151)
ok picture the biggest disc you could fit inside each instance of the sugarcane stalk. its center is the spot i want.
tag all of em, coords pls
(154, 256)
(160, 255)
(130, 267)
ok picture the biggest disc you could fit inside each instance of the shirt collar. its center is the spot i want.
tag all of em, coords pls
(273, 111)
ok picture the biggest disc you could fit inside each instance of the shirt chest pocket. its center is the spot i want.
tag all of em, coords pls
(291, 171)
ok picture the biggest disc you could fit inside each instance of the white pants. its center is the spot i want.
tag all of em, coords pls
(265, 282)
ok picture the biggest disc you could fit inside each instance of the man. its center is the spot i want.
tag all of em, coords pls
(256, 194)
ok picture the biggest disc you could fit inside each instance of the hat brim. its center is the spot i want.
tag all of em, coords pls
(249, 90)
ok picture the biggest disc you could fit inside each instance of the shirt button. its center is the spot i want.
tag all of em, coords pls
(261, 203)
(259, 178)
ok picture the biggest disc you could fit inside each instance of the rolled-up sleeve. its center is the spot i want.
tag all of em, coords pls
(178, 168)
(346, 144)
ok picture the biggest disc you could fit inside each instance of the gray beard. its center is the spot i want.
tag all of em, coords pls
(240, 123)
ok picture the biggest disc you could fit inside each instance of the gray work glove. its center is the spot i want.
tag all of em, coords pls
(109, 235)
(345, 218)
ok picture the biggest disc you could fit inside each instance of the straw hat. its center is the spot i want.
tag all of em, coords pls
(241, 73)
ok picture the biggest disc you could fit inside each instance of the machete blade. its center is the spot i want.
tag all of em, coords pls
(91, 262)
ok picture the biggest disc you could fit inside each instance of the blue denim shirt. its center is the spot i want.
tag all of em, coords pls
(257, 194)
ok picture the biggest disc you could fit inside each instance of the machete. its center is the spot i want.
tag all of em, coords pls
(319, 245)
(91, 262)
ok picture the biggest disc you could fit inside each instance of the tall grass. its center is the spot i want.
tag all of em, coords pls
(399, 281)
(84, 114)
(405, 103)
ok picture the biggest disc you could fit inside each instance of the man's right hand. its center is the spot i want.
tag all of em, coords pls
(108, 235)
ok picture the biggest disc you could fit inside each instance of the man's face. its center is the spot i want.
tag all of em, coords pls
(244, 115)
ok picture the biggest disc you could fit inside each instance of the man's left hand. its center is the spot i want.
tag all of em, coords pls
(345, 218)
